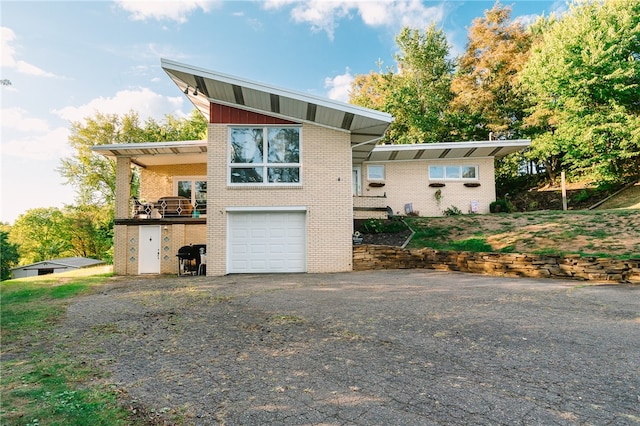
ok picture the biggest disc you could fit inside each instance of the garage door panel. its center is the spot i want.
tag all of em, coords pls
(266, 242)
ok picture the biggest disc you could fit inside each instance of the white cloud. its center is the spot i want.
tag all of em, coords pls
(144, 101)
(31, 138)
(164, 10)
(325, 15)
(10, 60)
(39, 146)
(339, 86)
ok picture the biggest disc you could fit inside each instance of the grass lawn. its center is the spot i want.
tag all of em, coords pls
(41, 384)
(602, 233)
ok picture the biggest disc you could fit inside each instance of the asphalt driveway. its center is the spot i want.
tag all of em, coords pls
(409, 347)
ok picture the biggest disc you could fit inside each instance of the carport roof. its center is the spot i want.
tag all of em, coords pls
(447, 150)
(366, 126)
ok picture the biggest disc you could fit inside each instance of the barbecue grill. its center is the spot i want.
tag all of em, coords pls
(189, 258)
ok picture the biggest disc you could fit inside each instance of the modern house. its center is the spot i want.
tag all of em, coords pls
(276, 185)
(54, 266)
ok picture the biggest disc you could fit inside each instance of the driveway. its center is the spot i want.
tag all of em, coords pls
(410, 347)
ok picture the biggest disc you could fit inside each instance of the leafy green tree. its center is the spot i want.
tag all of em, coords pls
(485, 85)
(583, 79)
(93, 175)
(41, 234)
(91, 231)
(417, 95)
(9, 256)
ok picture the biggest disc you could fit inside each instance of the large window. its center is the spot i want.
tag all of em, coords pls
(194, 189)
(453, 172)
(264, 155)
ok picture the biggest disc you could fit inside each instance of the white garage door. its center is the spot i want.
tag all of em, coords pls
(266, 242)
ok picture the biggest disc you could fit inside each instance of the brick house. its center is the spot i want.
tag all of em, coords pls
(275, 186)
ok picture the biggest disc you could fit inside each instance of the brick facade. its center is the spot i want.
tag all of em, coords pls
(325, 193)
(408, 182)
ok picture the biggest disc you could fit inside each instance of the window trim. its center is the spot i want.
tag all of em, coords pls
(460, 172)
(265, 165)
(383, 169)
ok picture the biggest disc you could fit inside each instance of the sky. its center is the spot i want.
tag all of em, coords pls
(68, 60)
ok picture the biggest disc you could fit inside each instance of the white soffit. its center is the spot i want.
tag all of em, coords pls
(158, 153)
(447, 150)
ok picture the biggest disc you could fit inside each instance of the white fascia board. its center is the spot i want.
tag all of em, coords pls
(448, 145)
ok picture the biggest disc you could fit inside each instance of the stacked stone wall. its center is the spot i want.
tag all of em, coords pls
(368, 257)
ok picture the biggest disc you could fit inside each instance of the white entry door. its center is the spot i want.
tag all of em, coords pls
(266, 242)
(149, 255)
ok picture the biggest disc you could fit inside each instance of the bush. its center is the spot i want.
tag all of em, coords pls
(501, 206)
(452, 211)
(382, 226)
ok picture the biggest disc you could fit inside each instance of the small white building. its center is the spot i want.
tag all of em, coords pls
(54, 266)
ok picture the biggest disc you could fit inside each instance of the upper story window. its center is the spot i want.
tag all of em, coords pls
(194, 189)
(375, 172)
(453, 172)
(264, 155)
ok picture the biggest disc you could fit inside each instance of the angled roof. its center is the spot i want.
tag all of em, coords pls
(366, 126)
(65, 262)
(444, 150)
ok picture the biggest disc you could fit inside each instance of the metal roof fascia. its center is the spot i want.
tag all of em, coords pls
(303, 97)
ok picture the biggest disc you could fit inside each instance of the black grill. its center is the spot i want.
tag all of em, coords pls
(189, 258)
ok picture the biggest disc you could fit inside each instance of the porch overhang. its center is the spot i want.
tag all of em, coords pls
(157, 153)
(202, 87)
(447, 150)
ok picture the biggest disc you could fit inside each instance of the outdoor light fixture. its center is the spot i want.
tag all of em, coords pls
(186, 90)
(195, 92)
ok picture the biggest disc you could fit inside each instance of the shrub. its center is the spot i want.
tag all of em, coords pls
(382, 226)
(501, 206)
(452, 211)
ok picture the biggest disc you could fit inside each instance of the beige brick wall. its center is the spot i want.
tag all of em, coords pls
(172, 236)
(325, 193)
(157, 181)
(408, 182)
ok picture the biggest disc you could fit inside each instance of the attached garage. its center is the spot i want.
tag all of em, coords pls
(266, 241)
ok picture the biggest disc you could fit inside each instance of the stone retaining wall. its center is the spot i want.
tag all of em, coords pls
(367, 257)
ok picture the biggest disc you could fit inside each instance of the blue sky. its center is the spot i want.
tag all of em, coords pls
(67, 60)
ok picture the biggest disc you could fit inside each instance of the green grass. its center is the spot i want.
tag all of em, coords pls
(41, 383)
(586, 233)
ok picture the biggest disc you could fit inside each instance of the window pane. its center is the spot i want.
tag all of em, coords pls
(284, 174)
(246, 175)
(375, 172)
(201, 196)
(452, 172)
(184, 188)
(284, 145)
(246, 145)
(469, 172)
(436, 172)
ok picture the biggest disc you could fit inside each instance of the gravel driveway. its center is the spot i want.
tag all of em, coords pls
(410, 347)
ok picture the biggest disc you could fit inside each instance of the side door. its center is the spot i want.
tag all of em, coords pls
(149, 255)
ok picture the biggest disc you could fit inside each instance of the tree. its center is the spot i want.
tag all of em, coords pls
(41, 234)
(91, 231)
(583, 80)
(485, 85)
(9, 256)
(417, 95)
(92, 174)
